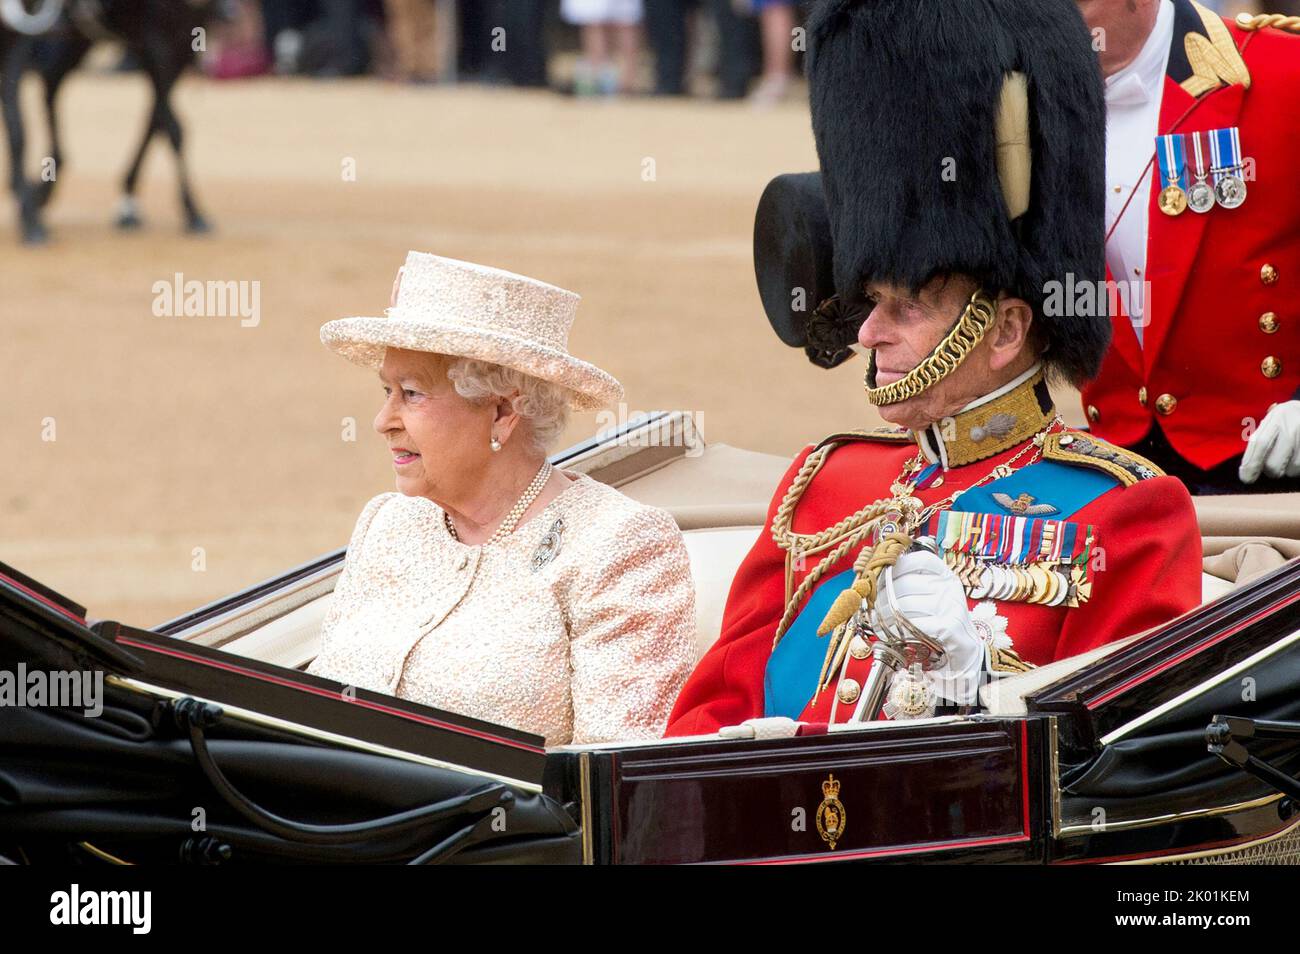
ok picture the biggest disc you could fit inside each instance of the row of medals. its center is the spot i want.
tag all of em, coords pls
(1046, 584)
(1229, 192)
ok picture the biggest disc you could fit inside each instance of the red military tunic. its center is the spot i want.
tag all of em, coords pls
(1151, 572)
(1223, 343)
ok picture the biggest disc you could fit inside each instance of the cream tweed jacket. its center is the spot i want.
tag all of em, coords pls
(578, 627)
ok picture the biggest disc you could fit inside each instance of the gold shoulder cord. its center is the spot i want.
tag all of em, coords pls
(842, 537)
(1246, 21)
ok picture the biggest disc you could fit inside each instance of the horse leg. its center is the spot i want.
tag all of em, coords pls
(128, 216)
(11, 71)
(194, 219)
(69, 54)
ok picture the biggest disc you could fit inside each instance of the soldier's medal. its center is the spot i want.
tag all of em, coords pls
(1036, 585)
(1173, 201)
(1001, 588)
(1081, 586)
(1169, 149)
(1225, 164)
(831, 817)
(1006, 585)
(1230, 191)
(1200, 197)
(1062, 591)
(1045, 587)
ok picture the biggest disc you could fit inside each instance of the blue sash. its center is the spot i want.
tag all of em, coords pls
(792, 669)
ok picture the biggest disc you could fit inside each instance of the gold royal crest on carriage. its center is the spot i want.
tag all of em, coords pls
(831, 815)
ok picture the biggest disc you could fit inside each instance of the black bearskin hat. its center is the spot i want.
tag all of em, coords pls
(905, 103)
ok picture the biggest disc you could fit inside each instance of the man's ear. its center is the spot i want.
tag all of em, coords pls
(1010, 333)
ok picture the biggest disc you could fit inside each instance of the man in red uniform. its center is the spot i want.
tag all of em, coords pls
(902, 566)
(1203, 241)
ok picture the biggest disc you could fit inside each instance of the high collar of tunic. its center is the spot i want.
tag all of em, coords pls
(1003, 418)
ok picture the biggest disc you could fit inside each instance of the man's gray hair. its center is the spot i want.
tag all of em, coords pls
(545, 406)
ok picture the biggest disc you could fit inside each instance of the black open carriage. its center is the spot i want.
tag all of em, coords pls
(213, 746)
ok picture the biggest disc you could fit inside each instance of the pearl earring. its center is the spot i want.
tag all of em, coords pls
(495, 445)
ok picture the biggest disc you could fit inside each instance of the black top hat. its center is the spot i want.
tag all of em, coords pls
(907, 97)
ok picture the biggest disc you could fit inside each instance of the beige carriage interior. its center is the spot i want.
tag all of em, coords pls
(719, 497)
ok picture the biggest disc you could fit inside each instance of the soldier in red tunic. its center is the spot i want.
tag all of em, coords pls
(901, 567)
(1203, 242)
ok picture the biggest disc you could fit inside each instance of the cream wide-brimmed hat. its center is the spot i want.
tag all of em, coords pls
(473, 311)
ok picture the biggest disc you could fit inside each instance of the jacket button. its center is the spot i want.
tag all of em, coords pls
(1166, 403)
(1268, 275)
(1271, 367)
(859, 648)
(1094, 415)
(848, 691)
(1142, 396)
(1268, 322)
(464, 562)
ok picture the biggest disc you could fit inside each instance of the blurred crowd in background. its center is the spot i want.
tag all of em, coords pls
(600, 48)
(730, 49)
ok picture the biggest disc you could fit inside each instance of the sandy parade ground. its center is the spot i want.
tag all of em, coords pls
(132, 442)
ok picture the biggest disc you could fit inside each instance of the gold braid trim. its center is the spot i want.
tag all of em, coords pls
(842, 537)
(1215, 62)
(1088, 451)
(968, 332)
(1261, 20)
(855, 537)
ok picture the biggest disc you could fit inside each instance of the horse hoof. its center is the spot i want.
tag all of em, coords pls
(35, 234)
(198, 225)
(129, 221)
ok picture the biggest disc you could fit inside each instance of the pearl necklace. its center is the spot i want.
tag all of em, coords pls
(507, 526)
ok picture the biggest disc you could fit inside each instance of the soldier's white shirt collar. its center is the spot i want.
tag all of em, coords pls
(1142, 80)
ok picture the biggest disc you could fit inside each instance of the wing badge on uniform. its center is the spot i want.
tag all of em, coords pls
(1023, 505)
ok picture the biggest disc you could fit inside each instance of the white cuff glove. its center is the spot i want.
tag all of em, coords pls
(1274, 448)
(772, 727)
(929, 594)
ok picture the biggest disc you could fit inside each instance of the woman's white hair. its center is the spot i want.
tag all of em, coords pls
(545, 406)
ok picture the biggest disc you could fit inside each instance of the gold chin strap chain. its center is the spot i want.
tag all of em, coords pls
(968, 332)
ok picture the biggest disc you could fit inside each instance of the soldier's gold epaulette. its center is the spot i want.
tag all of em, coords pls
(1258, 21)
(885, 435)
(1076, 447)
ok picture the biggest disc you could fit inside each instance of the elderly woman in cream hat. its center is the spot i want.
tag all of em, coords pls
(494, 585)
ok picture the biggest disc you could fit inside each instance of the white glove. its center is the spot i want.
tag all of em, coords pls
(772, 727)
(929, 594)
(1274, 448)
